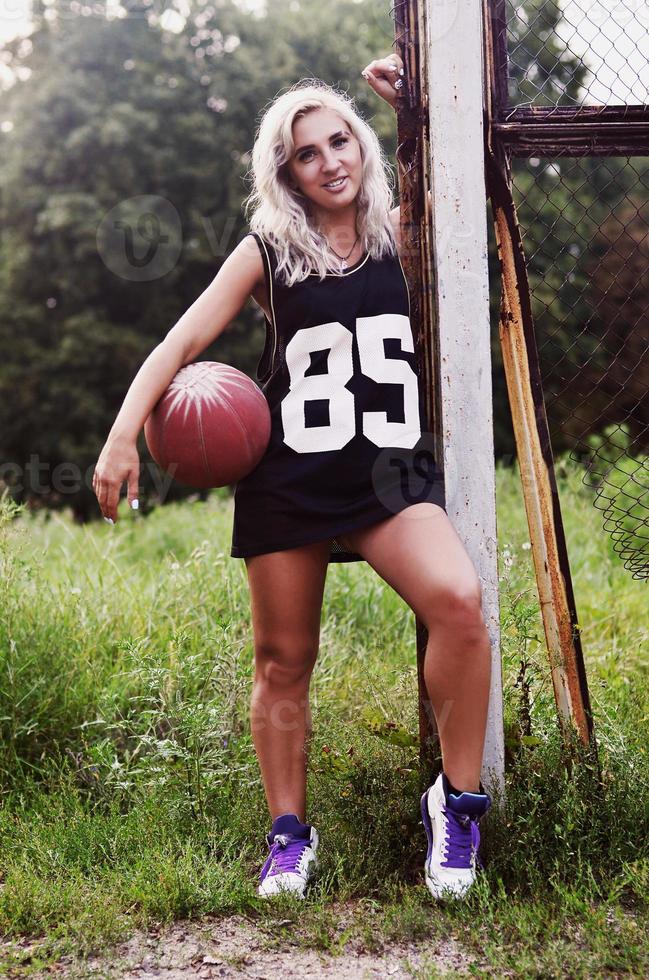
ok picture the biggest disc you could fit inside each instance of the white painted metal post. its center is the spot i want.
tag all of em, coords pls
(459, 213)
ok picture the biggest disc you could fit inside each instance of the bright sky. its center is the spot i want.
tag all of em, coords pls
(612, 36)
(14, 18)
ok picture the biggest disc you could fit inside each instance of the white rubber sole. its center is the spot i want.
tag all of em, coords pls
(444, 890)
(283, 884)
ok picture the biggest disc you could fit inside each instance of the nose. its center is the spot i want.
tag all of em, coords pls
(330, 163)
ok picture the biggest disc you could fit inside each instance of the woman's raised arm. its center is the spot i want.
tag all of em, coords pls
(383, 75)
(202, 323)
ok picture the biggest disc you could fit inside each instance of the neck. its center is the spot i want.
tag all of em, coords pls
(340, 228)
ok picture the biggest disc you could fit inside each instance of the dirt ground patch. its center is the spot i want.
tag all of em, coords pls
(235, 947)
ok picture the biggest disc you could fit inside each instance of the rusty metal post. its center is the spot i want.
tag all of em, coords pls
(521, 364)
(412, 142)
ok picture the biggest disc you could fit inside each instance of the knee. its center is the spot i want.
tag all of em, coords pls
(459, 606)
(283, 665)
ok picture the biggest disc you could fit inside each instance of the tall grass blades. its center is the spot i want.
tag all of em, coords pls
(130, 791)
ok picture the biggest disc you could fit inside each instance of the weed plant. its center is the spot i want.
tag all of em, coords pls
(131, 795)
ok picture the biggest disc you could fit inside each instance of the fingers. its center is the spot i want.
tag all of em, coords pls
(390, 67)
(132, 489)
(107, 493)
(112, 500)
(111, 471)
(384, 76)
(108, 498)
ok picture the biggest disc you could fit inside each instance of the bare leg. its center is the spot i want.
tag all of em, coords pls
(457, 672)
(419, 553)
(286, 589)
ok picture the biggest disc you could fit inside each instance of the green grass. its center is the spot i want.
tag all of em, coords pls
(130, 792)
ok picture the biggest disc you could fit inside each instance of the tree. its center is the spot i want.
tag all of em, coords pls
(619, 376)
(117, 110)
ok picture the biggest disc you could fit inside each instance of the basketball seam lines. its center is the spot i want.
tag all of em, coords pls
(235, 416)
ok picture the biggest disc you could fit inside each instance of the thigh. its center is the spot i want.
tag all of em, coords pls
(419, 553)
(286, 590)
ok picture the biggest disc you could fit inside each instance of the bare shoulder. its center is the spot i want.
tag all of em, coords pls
(246, 260)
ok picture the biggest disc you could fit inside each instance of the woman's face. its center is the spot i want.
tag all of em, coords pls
(325, 149)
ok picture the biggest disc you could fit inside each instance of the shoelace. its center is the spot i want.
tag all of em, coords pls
(462, 839)
(286, 852)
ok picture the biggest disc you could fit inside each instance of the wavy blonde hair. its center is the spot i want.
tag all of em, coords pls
(277, 212)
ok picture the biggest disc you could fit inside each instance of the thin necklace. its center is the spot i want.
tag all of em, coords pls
(343, 259)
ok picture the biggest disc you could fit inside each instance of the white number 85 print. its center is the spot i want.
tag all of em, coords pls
(371, 331)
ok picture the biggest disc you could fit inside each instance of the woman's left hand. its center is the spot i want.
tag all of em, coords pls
(385, 76)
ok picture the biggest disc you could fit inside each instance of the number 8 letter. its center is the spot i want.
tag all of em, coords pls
(330, 386)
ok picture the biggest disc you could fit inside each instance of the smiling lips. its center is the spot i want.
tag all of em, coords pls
(338, 182)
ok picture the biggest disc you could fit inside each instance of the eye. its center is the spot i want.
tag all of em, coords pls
(339, 140)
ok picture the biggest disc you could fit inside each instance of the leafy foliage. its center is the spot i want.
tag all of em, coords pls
(112, 109)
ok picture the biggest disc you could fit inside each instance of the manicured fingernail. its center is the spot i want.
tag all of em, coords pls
(135, 504)
(109, 520)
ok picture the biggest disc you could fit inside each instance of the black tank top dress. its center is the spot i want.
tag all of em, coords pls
(349, 445)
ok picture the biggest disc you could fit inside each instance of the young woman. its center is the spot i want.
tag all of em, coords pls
(348, 444)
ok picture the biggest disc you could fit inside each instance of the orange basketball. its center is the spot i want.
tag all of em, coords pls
(211, 426)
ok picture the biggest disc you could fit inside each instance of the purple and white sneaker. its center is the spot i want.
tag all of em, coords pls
(292, 859)
(451, 825)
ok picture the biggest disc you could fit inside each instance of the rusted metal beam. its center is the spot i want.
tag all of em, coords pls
(526, 399)
(573, 139)
(412, 132)
(590, 114)
(520, 360)
(575, 131)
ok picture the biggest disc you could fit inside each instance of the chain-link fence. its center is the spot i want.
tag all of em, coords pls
(573, 104)
(578, 52)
